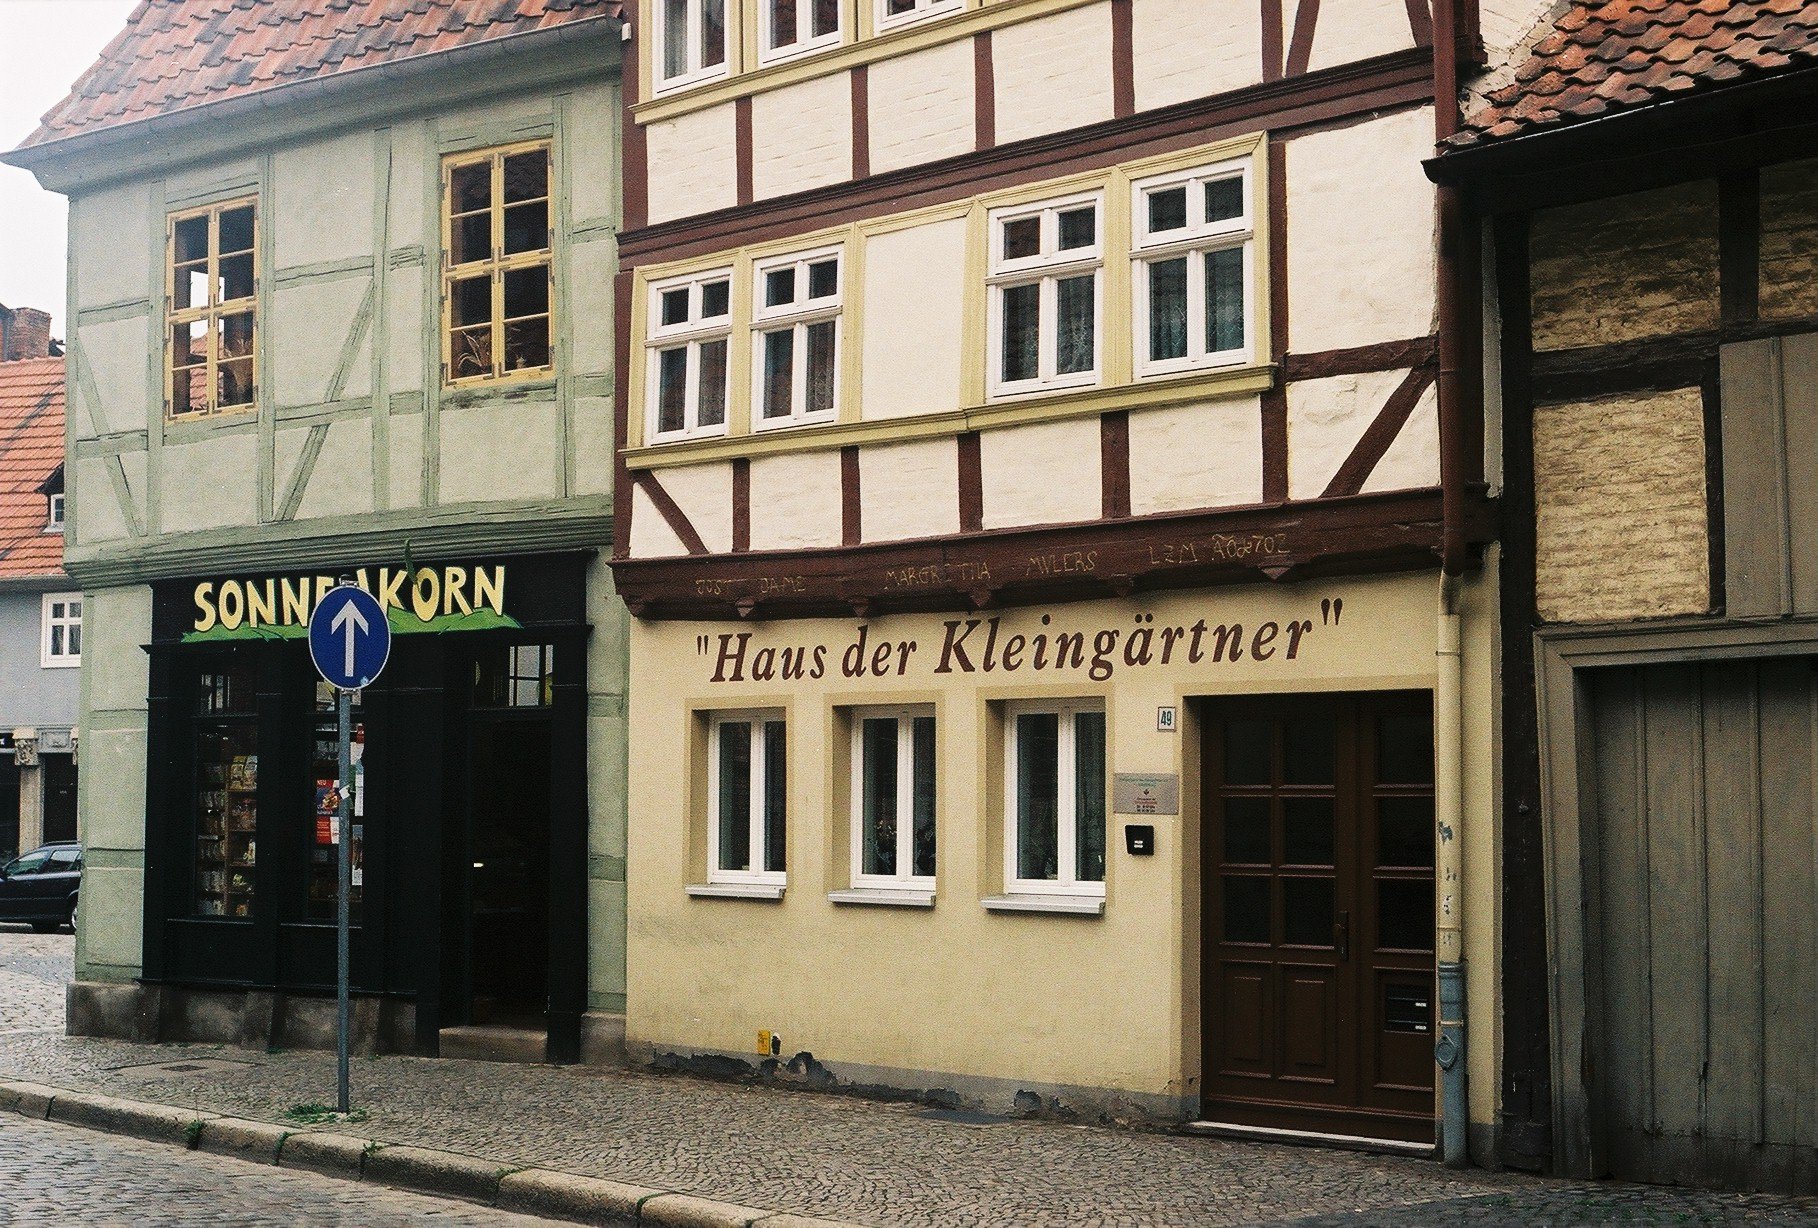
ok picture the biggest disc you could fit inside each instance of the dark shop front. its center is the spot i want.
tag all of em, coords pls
(470, 808)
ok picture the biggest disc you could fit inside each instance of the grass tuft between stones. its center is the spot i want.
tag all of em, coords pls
(312, 1114)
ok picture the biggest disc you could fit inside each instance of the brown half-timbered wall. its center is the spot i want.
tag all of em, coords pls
(1339, 409)
(1651, 354)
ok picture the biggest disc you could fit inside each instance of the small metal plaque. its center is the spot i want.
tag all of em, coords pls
(1133, 793)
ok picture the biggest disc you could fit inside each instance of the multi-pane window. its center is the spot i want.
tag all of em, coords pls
(498, 263)
(62, 641)
(689, 332)
(1055, 809)
(796, 335)
(1046, 264)
(211, 288)
(55, 523)
(893, 13)
(1193, 239)
(893, 796)
(790, 27)
(515, 676)
(747, 796)
(693, 40)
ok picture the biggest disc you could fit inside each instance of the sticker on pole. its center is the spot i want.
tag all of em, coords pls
(349, 637)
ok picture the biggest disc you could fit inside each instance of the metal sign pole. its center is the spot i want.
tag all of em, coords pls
(343, 888)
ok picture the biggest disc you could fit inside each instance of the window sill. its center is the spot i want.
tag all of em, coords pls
(737, 891)
(888, 897)
(1076, 905)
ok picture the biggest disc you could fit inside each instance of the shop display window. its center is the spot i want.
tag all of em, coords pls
(324, 853)
(226, 792)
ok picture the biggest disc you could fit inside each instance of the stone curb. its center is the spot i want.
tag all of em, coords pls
(534, 1191)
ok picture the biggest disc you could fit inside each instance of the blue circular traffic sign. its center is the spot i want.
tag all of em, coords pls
(349, 637)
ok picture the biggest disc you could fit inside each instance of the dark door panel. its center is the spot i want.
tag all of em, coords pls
(1317, 929)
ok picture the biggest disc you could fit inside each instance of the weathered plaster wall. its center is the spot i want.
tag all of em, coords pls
(1360, 234)
(1022, 468)
(1169, 68)
(908, 490)
(929, 99)
(1195, 455)
(29, 693)
(1621, 478)
(691, 165)
(1643, 265)
(807, 137)
(1053, 72)
(1001, 1025)
(1789, 240)
(111, 785)
(914, 370)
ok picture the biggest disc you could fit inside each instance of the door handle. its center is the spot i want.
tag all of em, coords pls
(1341, 936)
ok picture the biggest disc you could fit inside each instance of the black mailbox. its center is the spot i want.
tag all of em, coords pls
(1139, 839)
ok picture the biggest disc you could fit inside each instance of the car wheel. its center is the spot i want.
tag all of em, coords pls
(74, 907)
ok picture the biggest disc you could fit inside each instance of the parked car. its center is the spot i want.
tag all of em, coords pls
(40, 886)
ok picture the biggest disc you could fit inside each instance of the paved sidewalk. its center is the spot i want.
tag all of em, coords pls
(867, 1162)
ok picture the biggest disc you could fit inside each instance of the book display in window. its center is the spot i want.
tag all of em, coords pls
(324, 854)
(227, 810)
(227, 794)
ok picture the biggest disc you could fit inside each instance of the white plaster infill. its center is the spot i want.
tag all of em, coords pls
(737, 891)
(889, 897)
(1076, 905)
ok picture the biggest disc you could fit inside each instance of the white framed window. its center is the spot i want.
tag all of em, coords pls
(794, 27)
(747, 798)
(1055, 803)
(61, 646)
(691, 41)
(1046, 292)
(894, 13)
(796, 339)
(893, 798)
(688, 338)
(54, 523)
(1193, 269)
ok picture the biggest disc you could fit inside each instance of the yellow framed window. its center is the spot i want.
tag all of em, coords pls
(498, 264)
(211, 288)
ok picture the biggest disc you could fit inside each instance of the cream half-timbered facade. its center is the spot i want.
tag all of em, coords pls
(1028, 403)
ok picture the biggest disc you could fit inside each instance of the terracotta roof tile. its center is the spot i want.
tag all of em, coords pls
(31, 449)
(1608, 55)
(177, 54)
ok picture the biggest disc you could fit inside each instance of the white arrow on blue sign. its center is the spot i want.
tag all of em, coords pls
(349, 637)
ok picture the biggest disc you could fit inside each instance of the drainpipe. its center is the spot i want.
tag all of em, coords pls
(1459, 327)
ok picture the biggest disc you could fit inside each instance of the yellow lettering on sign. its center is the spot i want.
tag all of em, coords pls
(205, 605)
(261, 604)
(454, 592)
(232, 603)
(425, 593)
(294, 601)
(489, 590)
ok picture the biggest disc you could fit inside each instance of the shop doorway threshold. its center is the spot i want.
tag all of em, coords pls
(1309, 1138)
(495, 1044)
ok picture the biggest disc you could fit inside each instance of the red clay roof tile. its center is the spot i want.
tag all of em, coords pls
(178, 54)
(31, 448)
(1605, 55)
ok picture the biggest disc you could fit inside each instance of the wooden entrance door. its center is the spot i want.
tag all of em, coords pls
(1317, 990)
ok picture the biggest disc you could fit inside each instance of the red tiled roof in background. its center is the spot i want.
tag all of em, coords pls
(31, 448)
(177, 54)
(1601, 58)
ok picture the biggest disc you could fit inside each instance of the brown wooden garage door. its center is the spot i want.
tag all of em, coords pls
(1702, 994)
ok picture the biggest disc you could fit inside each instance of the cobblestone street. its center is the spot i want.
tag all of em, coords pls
(52, 1176)
(868, 1162)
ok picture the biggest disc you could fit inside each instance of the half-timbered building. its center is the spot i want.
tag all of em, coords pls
(1649, 176)
(339, 299)
(1052, 524)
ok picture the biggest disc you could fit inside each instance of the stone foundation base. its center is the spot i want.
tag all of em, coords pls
(264, 1019)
